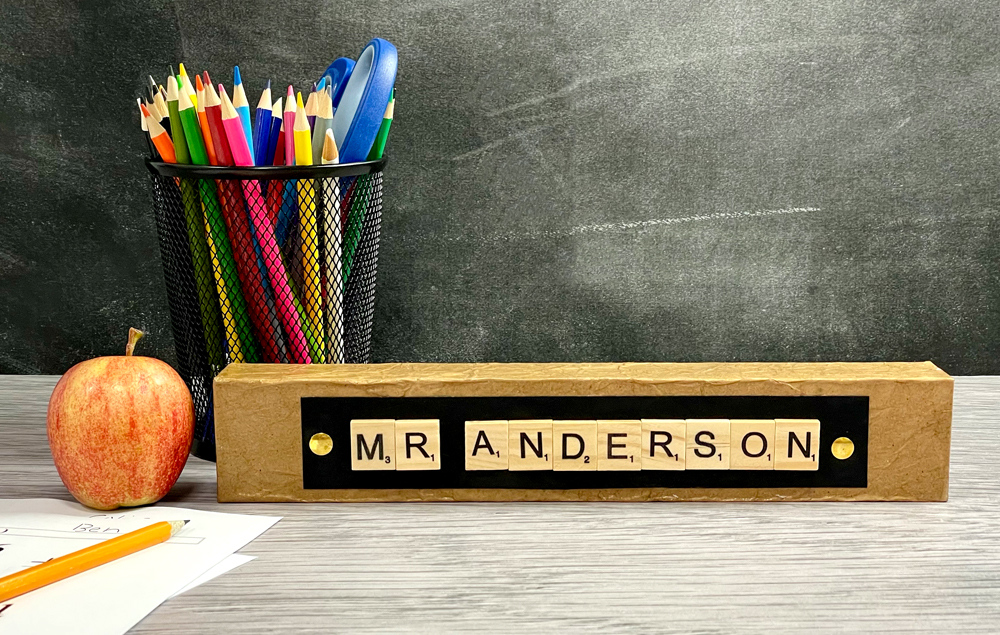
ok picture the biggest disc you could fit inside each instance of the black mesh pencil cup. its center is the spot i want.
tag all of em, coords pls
(266, 265)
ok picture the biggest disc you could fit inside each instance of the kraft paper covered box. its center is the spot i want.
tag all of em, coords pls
(571, 432)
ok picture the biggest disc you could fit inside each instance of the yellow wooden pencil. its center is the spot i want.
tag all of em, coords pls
(188, 87)
(94, 556)
(307, 221)
(332, 237)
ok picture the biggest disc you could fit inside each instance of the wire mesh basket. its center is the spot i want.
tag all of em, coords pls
(267, 264)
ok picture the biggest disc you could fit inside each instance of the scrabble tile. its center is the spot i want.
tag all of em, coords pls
(619, 445)
(418, 444)
(663, 444)
(373, 444)
(796, 444)
(707, 444)
(485, 445)
(575, 446)
(752, 444)
(529, 444)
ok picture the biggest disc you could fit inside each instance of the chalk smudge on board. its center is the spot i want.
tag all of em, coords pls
(644, 225)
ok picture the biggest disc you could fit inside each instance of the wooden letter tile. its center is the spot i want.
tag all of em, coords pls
(663, 444)
(707, 444)
(485, 445)
(574, 446)
(373, 444)
(418, 444)
(529, 444)
(796, 444)
(752, 444)
(619, 446)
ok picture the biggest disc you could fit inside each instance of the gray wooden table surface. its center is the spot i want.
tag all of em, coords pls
(587, 567)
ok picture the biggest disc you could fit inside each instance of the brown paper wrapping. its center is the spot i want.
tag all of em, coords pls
(259, 442)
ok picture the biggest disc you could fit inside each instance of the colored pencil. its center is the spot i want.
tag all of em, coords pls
(286, 210)
(279, 143)
(332, 234)
(275, 187)
(358, 196)
(308, 227)
(289, 119)
(273, 133)
(250, 264)
(160, 101)
(272, 256)
(378, 148)
(159, 137)
(286, 217)
(242, 105)
(208, 301)
(184, 83)
(236, 320)
(206, 132)
(152, 88)
(87, 558)
(311, 106)
(323, 122)
(262, 126)
(142, 116)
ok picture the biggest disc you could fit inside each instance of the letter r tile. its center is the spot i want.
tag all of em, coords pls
(418, 444)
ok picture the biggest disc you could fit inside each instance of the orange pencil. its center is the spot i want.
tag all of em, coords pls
(206, 131)
(94, 556)
(159, 136)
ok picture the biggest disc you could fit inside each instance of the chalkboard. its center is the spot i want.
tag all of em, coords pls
(585, 180)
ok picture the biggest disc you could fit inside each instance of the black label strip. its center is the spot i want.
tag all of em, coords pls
(839, 417)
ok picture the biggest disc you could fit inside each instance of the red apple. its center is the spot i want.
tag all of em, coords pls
(120, 429)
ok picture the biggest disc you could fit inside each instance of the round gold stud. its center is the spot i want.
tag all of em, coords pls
(842, 448)
(321, 444)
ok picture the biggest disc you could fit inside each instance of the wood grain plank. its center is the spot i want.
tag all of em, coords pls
(588, 567)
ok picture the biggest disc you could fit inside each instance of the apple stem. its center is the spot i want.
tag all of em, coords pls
(133, 337)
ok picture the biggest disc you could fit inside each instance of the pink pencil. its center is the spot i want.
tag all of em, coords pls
(289, 121)
(265, 232)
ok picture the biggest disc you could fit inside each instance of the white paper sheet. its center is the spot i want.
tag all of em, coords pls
(114, 597)
(227, 565)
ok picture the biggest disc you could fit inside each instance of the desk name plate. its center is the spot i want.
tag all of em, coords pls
(582, 442)
(548, 432)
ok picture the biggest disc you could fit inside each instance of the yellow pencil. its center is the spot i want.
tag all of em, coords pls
(94, 556)
(187, 87)
(307, 224)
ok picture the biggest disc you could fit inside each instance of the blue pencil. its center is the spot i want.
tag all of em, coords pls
(262, 127)
(275, 132)
(242, 105)
(286, 214)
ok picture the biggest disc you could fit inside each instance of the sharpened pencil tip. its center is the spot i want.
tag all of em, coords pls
(291, 92)
(186, 521)
(321, 84)
(237, 80)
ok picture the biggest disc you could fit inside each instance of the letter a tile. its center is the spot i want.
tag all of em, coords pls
(485, 445)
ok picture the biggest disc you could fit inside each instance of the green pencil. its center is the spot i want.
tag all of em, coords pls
(242, 345)
(208, 302)
(356, 216)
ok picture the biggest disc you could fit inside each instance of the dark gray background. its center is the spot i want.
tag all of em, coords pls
(569, 180)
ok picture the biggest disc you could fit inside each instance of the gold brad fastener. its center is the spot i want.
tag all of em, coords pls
(320, 444)
(842, 448)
